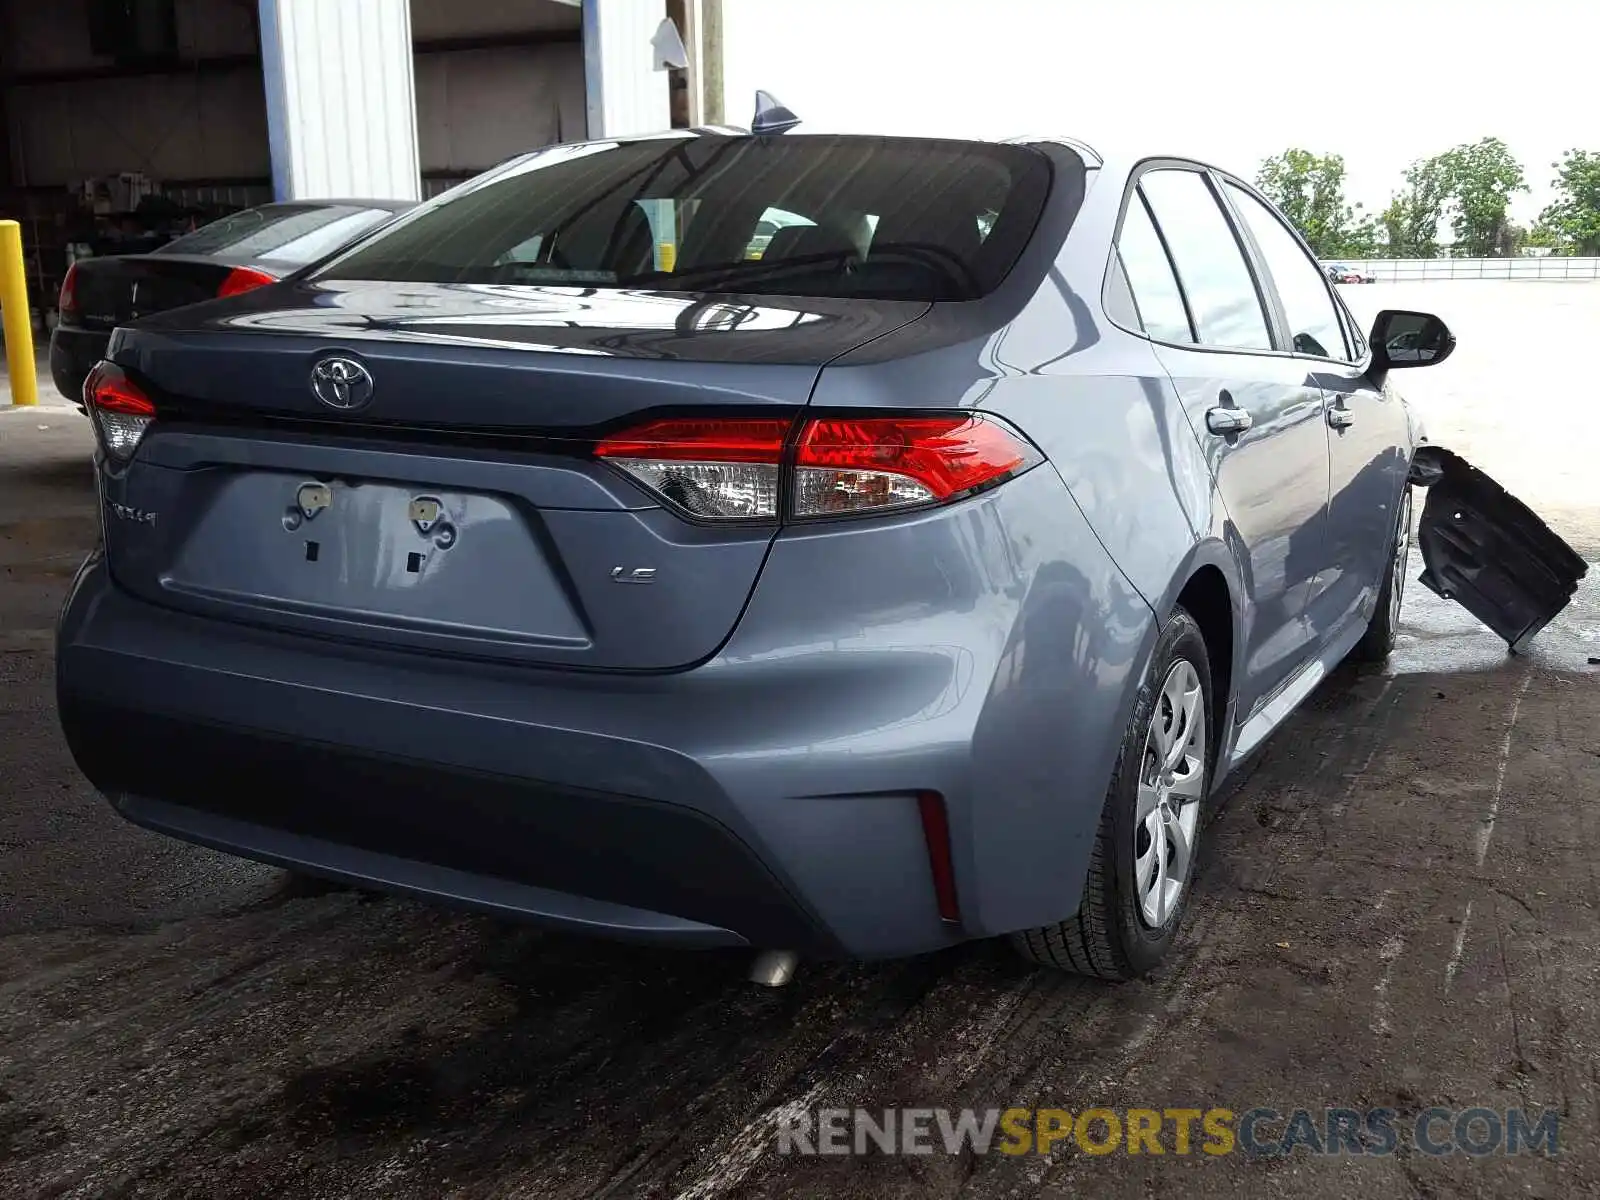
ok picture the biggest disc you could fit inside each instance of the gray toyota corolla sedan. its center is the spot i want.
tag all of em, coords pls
(911, 575)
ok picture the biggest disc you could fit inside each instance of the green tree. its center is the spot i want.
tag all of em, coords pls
(1546, 236)
(1481, 177)
(1309, 189)
(1513, 238)
(1411, 222)
(1572, 219)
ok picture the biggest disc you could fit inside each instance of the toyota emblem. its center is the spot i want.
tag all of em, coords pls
(341, 383)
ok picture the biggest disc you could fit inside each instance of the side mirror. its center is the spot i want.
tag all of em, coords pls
(1409, 339)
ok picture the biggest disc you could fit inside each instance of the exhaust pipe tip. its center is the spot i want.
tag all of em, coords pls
(774, 968)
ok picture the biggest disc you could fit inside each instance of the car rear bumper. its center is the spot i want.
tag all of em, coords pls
(73, 354)
(768, 797)
(591, 861)
(483, 796)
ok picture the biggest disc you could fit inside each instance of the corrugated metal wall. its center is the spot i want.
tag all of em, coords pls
(341, 104)
(476, 108)
(490, 78)
(626, 95)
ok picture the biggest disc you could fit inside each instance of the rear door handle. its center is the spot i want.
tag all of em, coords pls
(1341, 418)
(1228, 421)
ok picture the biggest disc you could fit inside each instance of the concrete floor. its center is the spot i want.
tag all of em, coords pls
(1398, 906)
(44, 386)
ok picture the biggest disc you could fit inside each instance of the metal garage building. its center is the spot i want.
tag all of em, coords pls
(122, 118)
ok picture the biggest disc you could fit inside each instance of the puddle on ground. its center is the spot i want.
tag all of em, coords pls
(1439, 635)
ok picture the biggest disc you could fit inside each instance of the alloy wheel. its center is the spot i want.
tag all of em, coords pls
(1171, 786)
(1402, 551)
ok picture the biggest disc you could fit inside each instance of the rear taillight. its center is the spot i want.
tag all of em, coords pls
(722, 469)
(120, 410)
(732, 469)
(67, 304)
(846, 466)
(243, 279)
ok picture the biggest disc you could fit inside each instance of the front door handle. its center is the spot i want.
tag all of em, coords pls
(1341, 418)
(1228, 421)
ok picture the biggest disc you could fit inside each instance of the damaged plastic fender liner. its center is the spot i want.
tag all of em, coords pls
(1488, 551)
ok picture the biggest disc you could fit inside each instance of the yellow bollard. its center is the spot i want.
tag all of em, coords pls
(14, 311)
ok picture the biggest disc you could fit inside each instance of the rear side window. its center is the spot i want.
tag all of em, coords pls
(1314, 326)
(884, 218)
(1211, 266)
(1150, 278)
(288, 233)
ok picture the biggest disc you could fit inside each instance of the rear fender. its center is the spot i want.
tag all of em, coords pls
(1231, 563)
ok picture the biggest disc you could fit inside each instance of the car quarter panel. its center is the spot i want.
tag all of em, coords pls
(1021, 733)
(1092, 396)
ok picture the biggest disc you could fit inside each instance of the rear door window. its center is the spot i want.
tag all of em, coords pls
(1210, 263)
(1150, 278)
(1314, 326)
(888, 218)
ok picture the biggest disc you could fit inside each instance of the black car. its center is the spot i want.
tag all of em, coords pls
(242, 251)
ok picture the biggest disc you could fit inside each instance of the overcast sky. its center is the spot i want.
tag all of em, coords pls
(1382, 82)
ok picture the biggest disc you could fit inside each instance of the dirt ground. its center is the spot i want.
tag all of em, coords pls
(1397, 907)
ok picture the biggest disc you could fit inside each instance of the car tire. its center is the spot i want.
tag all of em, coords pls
(1127, 920)
(1377, 643)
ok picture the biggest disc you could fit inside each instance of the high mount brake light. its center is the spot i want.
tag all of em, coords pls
(243, 279)
(120, 410)
(732, 468)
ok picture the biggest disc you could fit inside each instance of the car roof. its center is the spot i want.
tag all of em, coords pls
(389, 205)
(1089, 154)
(1093, 156)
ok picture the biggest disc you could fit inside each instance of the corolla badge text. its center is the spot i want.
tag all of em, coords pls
(126, 512)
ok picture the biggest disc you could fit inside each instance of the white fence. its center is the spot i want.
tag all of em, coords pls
(1405, 270)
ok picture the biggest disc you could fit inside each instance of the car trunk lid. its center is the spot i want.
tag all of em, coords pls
(114, 291)
(459, 510)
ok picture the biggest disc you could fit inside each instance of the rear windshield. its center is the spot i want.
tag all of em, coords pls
(288, 233)
(878, 218)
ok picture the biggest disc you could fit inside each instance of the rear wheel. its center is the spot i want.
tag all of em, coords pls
(1143, 856)
(1376, 644)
